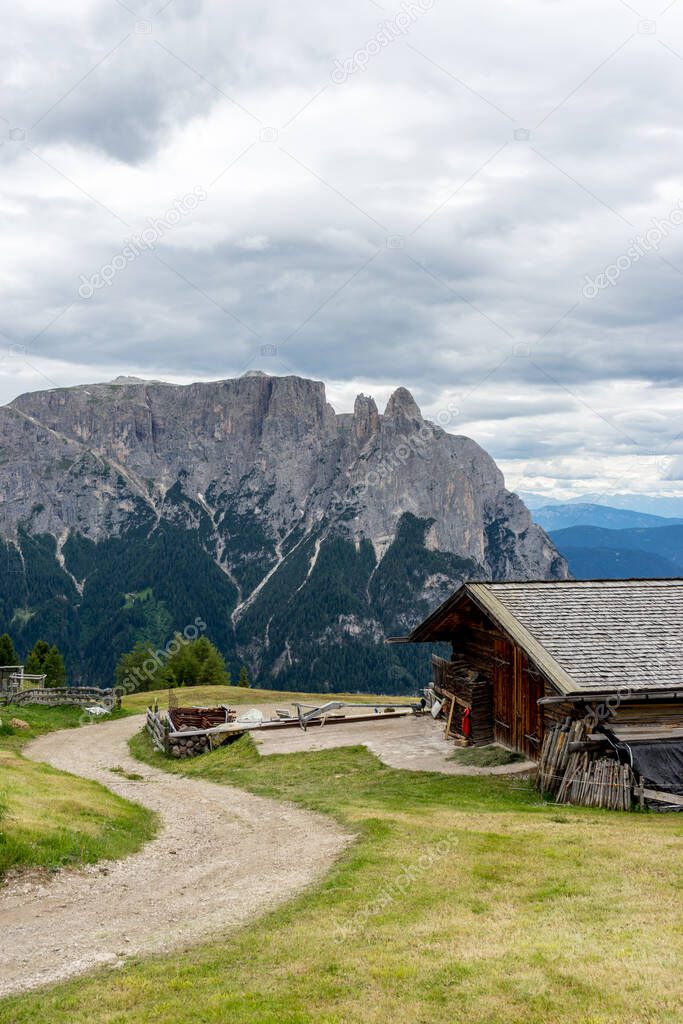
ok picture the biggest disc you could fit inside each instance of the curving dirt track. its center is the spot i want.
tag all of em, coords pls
(221, 857)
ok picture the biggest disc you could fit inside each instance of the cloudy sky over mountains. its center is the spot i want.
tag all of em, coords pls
(484, 205)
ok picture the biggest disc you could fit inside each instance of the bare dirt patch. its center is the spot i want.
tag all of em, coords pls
(415, 743)
(222, 856)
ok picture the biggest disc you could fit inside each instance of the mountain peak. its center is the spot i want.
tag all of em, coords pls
(122, 380)
(365, 417)
(402, 405)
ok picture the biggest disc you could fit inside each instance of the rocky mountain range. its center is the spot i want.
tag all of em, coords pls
(301, 536)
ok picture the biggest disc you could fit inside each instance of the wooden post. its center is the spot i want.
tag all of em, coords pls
(447, 730)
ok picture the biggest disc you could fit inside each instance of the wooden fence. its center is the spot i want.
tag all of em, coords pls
(157, 727)
(63, 695)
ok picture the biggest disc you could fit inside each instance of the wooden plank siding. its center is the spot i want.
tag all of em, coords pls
(517, 686)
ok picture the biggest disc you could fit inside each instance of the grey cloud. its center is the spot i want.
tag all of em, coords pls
(675, 470)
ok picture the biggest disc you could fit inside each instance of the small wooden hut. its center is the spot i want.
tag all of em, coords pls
(528, 655)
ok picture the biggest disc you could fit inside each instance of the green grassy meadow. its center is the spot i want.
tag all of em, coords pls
(463, 899)
(208, 696)
(492, 756)
(50, 819)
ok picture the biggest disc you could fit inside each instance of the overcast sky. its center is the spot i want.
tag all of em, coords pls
(481, 204)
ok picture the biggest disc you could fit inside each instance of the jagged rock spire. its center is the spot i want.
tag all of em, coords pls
(402, 405)
(365, 417)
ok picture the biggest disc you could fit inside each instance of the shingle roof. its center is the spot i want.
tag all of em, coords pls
(590, 634)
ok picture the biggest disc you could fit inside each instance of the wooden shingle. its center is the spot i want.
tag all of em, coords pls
(588, 635)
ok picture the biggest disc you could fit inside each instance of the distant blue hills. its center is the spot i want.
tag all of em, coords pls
(652, 504)
(595, 552)
(562, 516)
(603, 541)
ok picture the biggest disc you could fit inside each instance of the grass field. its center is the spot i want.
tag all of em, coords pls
(485, 757)
(207, 696)
(50, 819)
(463, 899)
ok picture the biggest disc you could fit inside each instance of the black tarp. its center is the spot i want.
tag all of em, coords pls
(660, 762)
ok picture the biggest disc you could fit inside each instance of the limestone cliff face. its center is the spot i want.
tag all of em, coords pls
(260, 469)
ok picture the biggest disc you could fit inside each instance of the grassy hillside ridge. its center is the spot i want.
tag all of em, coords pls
(50, 819)
(214, 696)
(463, 899)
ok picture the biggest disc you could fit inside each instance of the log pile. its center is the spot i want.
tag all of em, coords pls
(184, 732)
(573, 773)
(461, 687)
(596, 783)
(481, 705)
(185, 718)
(189, 746)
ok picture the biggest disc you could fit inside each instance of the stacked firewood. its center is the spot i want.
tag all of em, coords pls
(189, 746)
(183, 719)
(571, 770)
(555, 754)
(598, 783)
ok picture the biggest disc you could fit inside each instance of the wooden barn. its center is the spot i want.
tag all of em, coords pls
(527, 655)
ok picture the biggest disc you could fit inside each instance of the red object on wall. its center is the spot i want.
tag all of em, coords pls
(467, 723)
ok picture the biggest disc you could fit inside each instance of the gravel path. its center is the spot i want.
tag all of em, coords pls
(222, 856)
(415, 743)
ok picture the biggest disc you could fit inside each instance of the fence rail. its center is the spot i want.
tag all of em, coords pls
(157, 727)
(68, 695)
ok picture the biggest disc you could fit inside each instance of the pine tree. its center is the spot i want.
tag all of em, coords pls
(194, 663)
(35, 659)
(43, 660)
(143, 669)
(8, 655)
(211, 668)
(244, 677)
(54, 668)
(184, 665)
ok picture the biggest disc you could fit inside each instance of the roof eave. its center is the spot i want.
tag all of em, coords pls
(503, 618)
(491, 606)
(418, 635)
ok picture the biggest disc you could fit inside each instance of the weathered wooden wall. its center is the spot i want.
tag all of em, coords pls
(516, 686)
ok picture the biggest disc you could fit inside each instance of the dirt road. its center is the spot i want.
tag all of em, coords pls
(411, 742)
(221, 857)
